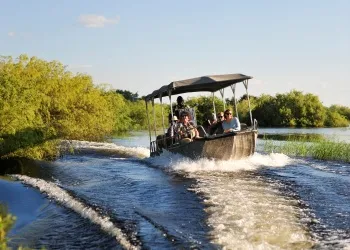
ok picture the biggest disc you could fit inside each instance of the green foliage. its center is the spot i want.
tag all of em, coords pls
(266, 111)
(128, 95)
(342, 110)
(204, 106)
(289, 110)
(334, 119)
(42, 102)
(6, 222)
(337, 116)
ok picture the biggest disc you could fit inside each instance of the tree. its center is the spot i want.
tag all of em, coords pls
(133, 97)
(204, 106)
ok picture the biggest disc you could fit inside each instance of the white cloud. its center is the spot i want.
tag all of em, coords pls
(96, 21)
(11, 33)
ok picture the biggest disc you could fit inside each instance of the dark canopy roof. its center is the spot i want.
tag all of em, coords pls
(205, 83)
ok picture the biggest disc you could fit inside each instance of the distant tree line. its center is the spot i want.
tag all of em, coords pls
(42, 102)
(293, 109)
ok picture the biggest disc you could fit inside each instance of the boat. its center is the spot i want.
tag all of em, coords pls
(228, 146)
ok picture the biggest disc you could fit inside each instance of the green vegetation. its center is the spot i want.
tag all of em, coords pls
(318, 148)
(204, 106)
(42, 102)
(6, 222)
(295, 109)
(292, 137)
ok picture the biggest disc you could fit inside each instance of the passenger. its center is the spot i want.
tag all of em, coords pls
(186, 130)
(210, 120)
(216, 127)
(180, 105)
(230, 124)
(173, 127)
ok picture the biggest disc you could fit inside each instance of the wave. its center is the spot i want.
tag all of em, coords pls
(64, 198)
(104, 148)
(177, 162)
(244, 211)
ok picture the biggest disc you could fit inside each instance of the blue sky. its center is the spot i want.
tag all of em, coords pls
(142, 45)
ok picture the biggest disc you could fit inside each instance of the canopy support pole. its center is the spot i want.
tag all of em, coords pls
(245, 83)
(154, 117)
(161, 103)
(222, 92)
(214, 103)
(233, 87)
(172, 115)
(148, 121)
(171, 107)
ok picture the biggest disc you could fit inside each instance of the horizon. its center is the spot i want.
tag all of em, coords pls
(140, 47)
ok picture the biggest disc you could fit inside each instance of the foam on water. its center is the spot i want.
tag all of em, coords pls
(61, 196)
(177, 162)
(139, 152)
(244, 211)
(248, 213)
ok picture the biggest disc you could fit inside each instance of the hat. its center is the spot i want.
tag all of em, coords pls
(175, 118)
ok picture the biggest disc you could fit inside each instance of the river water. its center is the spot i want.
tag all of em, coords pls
(113, 196)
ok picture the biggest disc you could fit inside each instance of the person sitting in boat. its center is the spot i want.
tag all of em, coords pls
(186, 130)
(230, 124)
(216, 128)
(210, 120)
(172, 131)
(179, 107)
(173, 127)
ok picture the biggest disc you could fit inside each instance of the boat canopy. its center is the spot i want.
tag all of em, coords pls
(211, 83)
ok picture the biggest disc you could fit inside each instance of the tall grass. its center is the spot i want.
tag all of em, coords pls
(319, 149)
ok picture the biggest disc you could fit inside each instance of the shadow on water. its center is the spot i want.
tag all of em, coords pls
(22, 166)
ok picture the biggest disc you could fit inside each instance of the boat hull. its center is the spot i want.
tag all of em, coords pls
(231, 146)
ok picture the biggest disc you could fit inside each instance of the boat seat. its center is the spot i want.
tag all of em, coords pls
(201, 131)
(244, 126)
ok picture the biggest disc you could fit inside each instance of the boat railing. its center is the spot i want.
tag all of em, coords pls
(255, 125)
(163, 142)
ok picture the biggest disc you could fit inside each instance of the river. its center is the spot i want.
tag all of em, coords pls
(113, 196)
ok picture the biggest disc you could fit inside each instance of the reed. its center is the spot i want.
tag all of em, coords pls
(318, 149)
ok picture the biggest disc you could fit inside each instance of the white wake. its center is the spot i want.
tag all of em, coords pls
(105, 147)
(244, 210)
(61, 196)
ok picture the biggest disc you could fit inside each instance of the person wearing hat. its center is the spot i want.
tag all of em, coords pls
(185, 129)
(173, 127)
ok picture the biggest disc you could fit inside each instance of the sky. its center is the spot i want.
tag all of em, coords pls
(142, 45)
